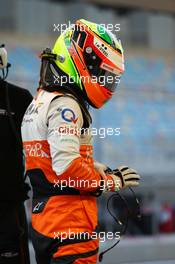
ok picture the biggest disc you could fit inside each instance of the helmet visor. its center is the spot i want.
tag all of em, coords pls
(109, 80)
(98, 74)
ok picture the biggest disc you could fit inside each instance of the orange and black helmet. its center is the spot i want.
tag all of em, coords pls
(91, 57)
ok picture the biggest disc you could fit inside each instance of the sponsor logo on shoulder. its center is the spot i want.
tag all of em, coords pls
(69, 116)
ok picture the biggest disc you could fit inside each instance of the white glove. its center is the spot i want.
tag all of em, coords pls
(125, 177)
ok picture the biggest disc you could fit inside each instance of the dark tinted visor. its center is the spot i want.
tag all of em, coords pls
(105, 78)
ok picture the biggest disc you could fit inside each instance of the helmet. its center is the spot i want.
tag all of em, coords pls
(90, 57)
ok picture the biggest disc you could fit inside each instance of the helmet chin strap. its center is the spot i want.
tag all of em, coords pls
(46, 71)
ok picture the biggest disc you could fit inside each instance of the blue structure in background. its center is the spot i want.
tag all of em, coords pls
(25, 67)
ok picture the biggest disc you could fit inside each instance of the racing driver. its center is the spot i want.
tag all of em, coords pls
(81, 70)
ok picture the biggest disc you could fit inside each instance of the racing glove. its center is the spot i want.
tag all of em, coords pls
(123, 177)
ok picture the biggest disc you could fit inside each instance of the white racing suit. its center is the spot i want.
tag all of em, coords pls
(59, 162)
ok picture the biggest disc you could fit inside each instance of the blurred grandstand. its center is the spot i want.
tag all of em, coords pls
(143, 108)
